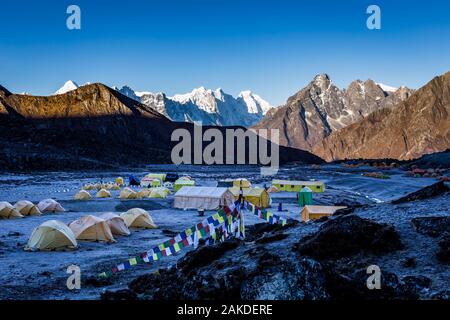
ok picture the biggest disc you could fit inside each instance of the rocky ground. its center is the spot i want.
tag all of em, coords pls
(325, 259)
(315, 261)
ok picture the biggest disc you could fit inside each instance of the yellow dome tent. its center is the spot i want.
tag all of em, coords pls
(109, 186)
(155, 183)
(82, 195)
(183, 182)
(160, 192)
(7, 211)
(51, 235)
(114, 187)
(92, 228)
(120, 182)
(103, 193)
(88, 186)
(144, 193)
(50, 205)
(242, 183)
(159, 176)
(116, 224)
(257, 196)
(128, 193)
(138, 218)
(27, 208)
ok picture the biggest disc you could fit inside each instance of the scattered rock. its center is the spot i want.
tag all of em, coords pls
(256, 231)
(443, 254)
(267, 259)
(14, 234)
(302, 281)
(125, 294)
(432, 226)
(270, 237)
(205, 255)
(443, 295)
(416, 284)
(97, 282)
(409, 262)
(428, 192)
(344, 212)
(354, 286)
(349, 235)
(169, 233)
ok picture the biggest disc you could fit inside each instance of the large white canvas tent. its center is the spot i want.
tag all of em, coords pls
(91, 228)
(138, 218)
(50, 205)
(27, 208)
(116, 224)
(52, 235)
(7, 211)
(203, 198)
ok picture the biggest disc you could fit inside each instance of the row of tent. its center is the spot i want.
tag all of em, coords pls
(126, 193)
(53, 234)
(27, 208)
(211, 198)
(101, 186)
(153, 180)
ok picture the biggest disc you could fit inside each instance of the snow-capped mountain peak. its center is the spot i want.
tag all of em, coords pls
(201, 97)
(321, 79)
(219, 94)
(68, 86)
(386, 88)
(254, 103)
(210, 107)
(127, 91)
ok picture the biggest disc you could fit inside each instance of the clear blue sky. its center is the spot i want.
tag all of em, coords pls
(271, 47)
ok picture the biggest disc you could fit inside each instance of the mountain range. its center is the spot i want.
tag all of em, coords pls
(321, 108)
(364, 120)
(415, 126)
(206, 106)
(202, 105)
(93, 126)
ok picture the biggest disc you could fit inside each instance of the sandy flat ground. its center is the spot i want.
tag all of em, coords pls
(42, 275)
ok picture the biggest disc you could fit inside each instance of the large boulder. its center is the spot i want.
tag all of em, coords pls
(431, 191)
(352, 285)
(304, 280)
(431, 226)
(349, 235)
(443, 254)
(205, 255)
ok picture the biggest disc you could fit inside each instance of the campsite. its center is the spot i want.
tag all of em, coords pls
(42, 274)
